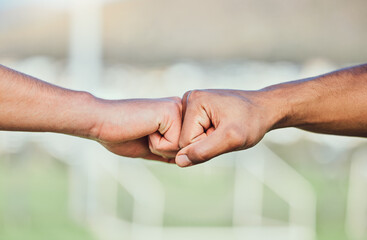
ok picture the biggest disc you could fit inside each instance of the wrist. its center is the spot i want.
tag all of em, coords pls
(293, 101)
(276, 107)
(88, 121)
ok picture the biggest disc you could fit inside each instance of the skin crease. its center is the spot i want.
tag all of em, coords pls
(220, 121)
(210, 116)
(144, 128)
(214, 121)
(152, 130)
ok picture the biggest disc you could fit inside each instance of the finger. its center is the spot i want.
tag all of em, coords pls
(210, 131)
(158, 145)
(203, 135)
(164, 142)
(184, 103)
(218, 142)
(154, 157)
(136, 149)
(170, 136)
(195, 123)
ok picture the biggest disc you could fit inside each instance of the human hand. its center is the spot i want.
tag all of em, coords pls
(215, 121)
(220, 121)
(144, 128)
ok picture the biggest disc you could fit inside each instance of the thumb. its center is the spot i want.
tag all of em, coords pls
(164, 141)
(220, 141)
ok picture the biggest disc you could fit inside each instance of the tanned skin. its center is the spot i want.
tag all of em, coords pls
(213, 121)
(220, 121)
(145, 128)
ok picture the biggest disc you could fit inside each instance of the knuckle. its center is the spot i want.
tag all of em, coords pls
(175, 104)
(158, 148)
(178, 107)
(159, 151)
(176, 99)
(153, 149)
(195, 97)
(172, 110)
(196, 94)
(153, 145)
(184, 97)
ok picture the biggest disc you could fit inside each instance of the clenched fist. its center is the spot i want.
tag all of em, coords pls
(214, 121)
(220, 121)
(145, 128)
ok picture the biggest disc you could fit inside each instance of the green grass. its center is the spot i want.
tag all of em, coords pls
(34, 194)
(194, 198)
(33, 200)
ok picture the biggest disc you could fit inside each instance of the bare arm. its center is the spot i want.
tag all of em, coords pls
(219, 121)
(334, 103)
(28, 104)
(133, 128)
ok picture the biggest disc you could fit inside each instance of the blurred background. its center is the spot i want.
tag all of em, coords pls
(293, 185)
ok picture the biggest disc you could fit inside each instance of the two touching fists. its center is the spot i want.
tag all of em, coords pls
(203, 125)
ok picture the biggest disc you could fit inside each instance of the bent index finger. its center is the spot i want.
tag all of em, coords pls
(215, 144)
(164, 141)
(185, 98)
(137, 148)
(170, 128)
(196, 122)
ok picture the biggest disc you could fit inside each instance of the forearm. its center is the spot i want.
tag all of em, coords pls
(133, 128)
(220, 121)
(28, 104)
(335, 103)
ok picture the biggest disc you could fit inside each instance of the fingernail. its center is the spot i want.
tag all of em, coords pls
(183, 161)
